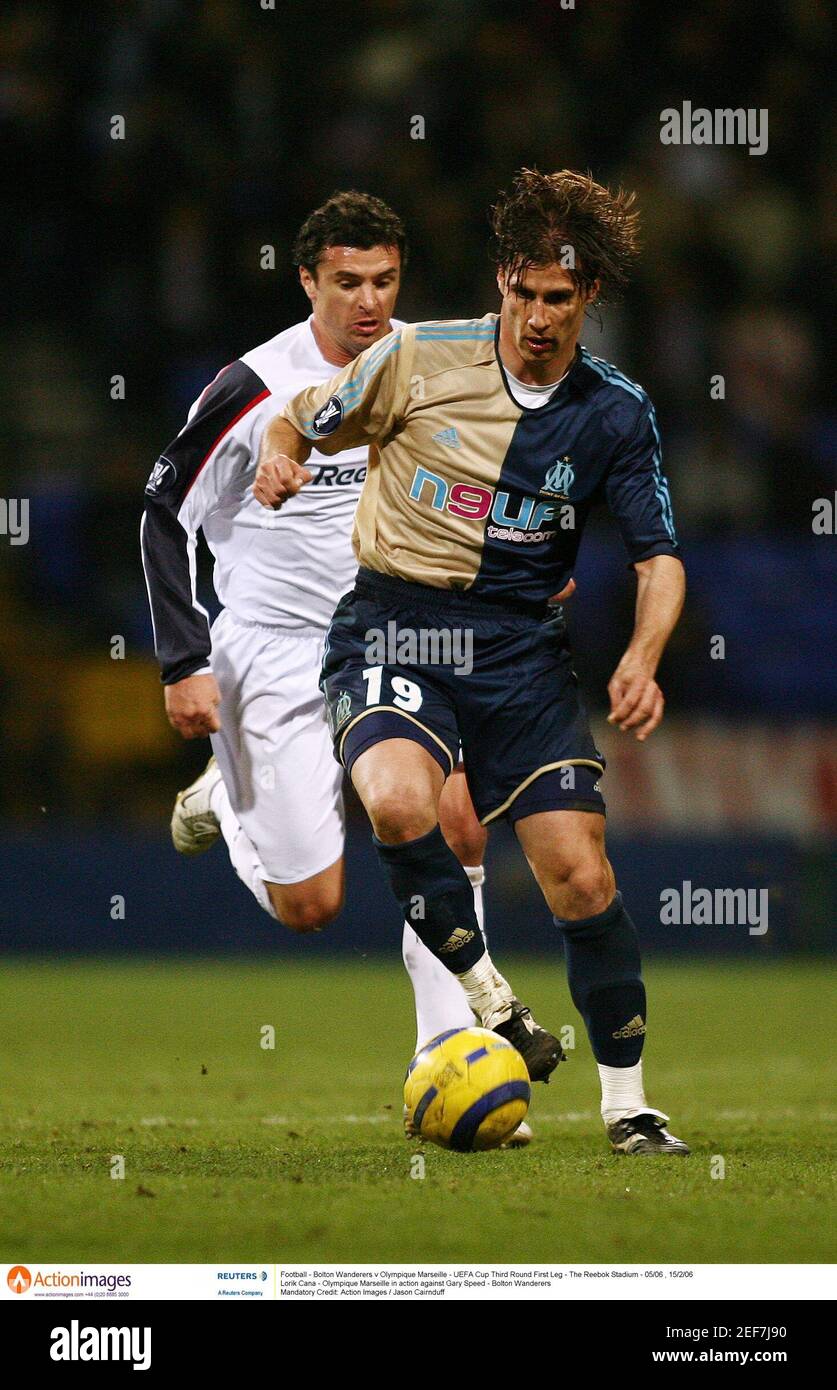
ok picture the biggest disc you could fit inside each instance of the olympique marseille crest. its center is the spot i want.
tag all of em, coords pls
(560, 478)
(342, 709)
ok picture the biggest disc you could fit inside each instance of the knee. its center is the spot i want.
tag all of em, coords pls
(584, 888)
(399, 815)
(307, 913)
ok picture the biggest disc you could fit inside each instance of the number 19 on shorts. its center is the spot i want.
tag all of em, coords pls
(406, 696)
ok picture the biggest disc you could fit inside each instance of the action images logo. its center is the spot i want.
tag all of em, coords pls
(20, 1280)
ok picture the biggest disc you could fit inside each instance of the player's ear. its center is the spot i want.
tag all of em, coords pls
(593, 291)
(502, 283)
(308, 283)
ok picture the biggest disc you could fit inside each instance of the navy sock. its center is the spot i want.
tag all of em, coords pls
(605, 978)
(436, 898)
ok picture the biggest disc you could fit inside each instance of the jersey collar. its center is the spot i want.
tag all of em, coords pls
(577, 379)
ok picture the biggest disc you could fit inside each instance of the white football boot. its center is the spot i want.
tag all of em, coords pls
(522, 1136)
(194, 825)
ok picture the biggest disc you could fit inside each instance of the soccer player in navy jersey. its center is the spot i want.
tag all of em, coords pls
(490, 441)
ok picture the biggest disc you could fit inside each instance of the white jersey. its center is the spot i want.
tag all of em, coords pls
(282, 569)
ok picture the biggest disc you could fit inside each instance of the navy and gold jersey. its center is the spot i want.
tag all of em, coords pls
(469, 490)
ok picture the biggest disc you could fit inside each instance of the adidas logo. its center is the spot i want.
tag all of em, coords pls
(449, 437)
(630, 1030)
(456, 940)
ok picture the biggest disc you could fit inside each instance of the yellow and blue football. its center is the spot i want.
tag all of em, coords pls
(467, 1089)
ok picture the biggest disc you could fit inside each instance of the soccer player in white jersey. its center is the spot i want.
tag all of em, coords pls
(272, 788)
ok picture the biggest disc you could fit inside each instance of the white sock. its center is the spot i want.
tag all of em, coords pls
(440, 999)
(476, 877)
(489, 995)
(623, 1093)
(243, 856)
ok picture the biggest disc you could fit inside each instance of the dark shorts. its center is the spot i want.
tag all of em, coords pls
(396, 666)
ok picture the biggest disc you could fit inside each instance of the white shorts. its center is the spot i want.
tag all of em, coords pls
(274, 749)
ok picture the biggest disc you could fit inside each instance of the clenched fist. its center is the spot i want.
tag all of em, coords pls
(636, 700)
(192, 706)
(279, 477)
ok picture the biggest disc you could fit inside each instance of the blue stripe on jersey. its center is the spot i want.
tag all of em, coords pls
(352, 393)
(378, 357)
(610, 374)
(661, 488)
(446, 336)
(457, 326)
(453, 326)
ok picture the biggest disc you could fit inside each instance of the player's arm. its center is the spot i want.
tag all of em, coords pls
(636, 700)
(638, 496)
(184, 487)
(281, 471)
(360, 405)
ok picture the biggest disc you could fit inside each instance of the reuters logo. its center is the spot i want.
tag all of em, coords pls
(19, 1279)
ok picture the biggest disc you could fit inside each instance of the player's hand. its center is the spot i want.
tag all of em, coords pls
(567, 592)
(192, 706)
(636, 700)
(279, 477)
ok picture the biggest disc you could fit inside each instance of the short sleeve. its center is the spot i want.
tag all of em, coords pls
(363, 403)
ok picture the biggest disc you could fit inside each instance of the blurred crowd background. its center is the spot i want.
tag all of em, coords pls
(142, 258)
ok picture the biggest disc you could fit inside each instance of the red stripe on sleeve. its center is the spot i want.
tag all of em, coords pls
(250, 406)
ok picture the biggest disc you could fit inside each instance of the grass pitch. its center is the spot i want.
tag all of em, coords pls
(234, 1152)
